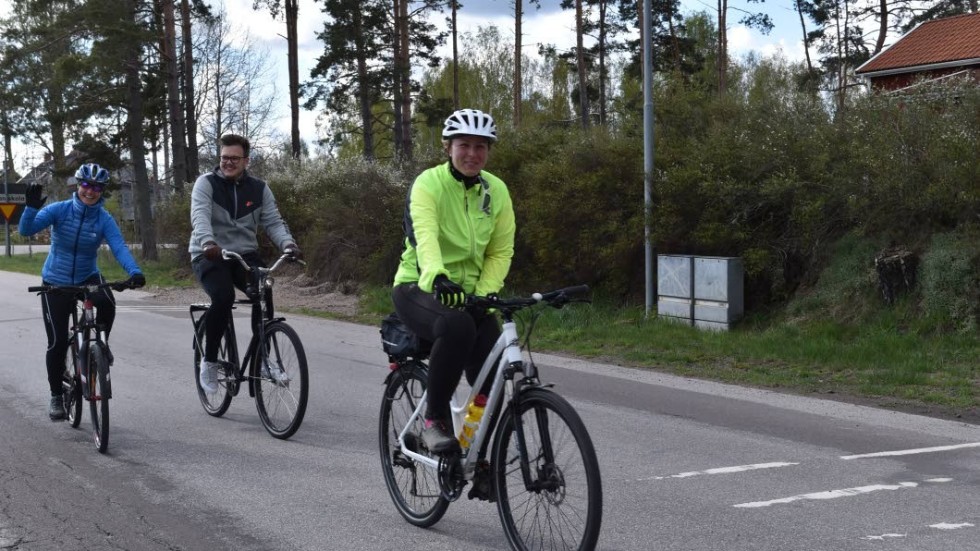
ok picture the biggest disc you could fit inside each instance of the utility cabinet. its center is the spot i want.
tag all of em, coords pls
(703, 291)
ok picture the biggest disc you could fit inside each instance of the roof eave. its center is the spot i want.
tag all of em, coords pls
(919, 68)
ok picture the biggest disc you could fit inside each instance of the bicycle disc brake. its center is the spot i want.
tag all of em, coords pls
(451, 479)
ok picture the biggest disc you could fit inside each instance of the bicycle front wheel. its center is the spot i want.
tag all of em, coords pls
(72, 388)
(414, 488)
(98, 381)
(283, 386)
(216, 403)
(556, 503)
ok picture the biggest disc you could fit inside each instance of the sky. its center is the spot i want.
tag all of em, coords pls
(549, 24)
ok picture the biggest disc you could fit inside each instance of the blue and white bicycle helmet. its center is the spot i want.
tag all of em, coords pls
(92, 173)
(470, 122)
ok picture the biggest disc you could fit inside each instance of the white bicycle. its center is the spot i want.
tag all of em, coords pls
(542, 470)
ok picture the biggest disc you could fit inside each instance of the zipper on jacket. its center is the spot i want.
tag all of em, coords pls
(78, 235)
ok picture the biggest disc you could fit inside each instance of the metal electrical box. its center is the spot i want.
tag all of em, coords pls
(675, 287)
(702, 291)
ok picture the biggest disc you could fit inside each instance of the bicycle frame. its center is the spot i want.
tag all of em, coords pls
(506, 355)
(83, 335)
(253, 353)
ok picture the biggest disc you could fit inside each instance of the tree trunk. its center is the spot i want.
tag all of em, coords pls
(583, 91)
(405, 81)
(722, 47)
(177, 132)
(8, 152)
(806, 41)
(602, 62)
(396, 89)
(193, 162)
(134, 127)
(518, 16)
(364, 88)
(455, 59)
(292, 13)
(882, 26)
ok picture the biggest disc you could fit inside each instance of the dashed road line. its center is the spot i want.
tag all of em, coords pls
(834, 494)
(883, 537)
(722, 470)
(951, 526)
(913, 451)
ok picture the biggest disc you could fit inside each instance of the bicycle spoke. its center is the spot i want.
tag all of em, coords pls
(282, 390)
(414, 488)
(559, 505)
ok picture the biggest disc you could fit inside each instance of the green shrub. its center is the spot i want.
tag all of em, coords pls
(950, 279)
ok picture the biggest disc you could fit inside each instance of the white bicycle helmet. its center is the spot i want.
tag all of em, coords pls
(470, 122)
(93, 174)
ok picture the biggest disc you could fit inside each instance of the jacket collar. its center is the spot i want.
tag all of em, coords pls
(80, 206)
(221, 177)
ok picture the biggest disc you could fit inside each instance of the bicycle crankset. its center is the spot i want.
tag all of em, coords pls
(451, 479)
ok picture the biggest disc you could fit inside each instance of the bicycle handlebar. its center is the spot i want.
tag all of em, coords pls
(287, 255)
(90, 288)
(556, 298)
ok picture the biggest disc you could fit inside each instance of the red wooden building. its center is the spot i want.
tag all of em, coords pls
(933, 51)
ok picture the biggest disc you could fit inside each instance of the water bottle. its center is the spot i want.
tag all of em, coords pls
(473, 415)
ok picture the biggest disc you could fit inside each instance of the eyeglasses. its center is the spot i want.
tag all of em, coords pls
(92, 186)
(230, 159)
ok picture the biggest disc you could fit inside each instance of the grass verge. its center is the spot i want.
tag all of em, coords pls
(164, 272)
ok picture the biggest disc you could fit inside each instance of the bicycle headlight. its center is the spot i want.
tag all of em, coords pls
(269, 282)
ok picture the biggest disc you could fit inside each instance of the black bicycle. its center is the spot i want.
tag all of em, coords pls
(87, 361)
(530, 452)
(274, 367)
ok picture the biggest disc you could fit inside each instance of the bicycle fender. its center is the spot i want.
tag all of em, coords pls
(107, 390)
(410, 366)
(83, 368)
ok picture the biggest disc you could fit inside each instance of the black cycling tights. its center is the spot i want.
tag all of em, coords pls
(458, 341)
(219, 280)
(56, 311)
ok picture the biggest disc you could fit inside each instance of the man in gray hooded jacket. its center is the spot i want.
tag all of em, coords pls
(227, 207)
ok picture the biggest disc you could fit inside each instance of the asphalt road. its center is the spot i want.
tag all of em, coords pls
(686, 464)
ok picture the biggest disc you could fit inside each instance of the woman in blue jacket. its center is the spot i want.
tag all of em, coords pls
(78, 227)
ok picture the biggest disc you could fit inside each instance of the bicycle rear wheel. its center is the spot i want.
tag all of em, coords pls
(283, 386)
(559, 506)
(216, 403)
(414, 488)
(98, 380)
(72, 388)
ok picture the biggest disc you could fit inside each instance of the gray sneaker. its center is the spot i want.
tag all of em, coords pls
(275, 373)
(56, 409)
(209, 376)
(438, 438)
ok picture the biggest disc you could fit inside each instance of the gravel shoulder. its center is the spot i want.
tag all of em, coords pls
(291, 291)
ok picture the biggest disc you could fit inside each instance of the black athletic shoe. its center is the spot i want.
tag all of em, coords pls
(56, 409)
(437, 438)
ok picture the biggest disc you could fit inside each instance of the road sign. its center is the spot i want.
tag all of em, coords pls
(11, 212)
(13, 193)
(12, 199)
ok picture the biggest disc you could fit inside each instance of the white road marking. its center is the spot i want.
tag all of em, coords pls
(829, 494)
(948, 526)
(913, 452)
(722, 470)
(883, 536)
